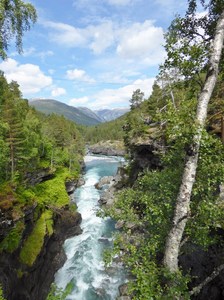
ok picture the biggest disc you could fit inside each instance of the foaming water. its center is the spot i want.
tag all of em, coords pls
(84, 265)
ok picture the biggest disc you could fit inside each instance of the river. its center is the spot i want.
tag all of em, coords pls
(84, 265)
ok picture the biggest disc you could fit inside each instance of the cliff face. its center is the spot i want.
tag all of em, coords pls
(25, 282)
(108, 148)
(35, 281)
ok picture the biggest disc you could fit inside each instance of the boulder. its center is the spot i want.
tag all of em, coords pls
(123, 289)
(106, 180)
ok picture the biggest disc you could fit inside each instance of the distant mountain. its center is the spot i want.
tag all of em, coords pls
(72, 113)
(90, 113)
(110, 114)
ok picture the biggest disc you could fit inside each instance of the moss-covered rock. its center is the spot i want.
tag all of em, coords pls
(35, 241)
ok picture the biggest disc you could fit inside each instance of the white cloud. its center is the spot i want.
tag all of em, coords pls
(102, 37)
(112, 98)
(30, 78)
(95, 37)
(119, 2)
(141, 41)
(79, 101)
(58, 91)
(65, 34)
(121, 96)
(79, 75)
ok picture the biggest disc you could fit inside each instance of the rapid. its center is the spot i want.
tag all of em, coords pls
(84, 265)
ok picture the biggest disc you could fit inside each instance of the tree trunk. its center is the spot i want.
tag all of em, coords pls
(12, 160)
(182, 209)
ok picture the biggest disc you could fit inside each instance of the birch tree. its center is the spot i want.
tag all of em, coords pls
(16, 17)
(213, 44)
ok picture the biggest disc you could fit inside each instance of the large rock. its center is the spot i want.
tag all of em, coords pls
(109, 148)
(107, 197)
(106, 180)
(38, 176)
(145, 154)
(123, 289)
(112, 184)
(200, 263)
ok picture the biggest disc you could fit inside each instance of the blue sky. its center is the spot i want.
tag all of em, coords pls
(92, 53)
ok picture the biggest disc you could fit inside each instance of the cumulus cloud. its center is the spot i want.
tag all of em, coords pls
(79, 75)
(121, 96)
(138, 40)
(58, 91)
(30, 78)
(102, 37)
(95, 37)
(142, 41)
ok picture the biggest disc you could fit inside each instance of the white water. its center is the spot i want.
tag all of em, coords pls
(84, 265)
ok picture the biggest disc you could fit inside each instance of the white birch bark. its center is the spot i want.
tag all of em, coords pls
(182, 209)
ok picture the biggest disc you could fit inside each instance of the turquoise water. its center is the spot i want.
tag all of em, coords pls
(84, 265)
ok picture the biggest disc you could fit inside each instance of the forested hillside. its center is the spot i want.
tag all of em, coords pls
(112, 130)
(39, 156)
(171, 210)
(79, 116)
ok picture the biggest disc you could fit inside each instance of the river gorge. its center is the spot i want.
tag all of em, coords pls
(84, 266)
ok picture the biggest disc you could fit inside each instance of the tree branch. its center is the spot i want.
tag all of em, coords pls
(196, 290)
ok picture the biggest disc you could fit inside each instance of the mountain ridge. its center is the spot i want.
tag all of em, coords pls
(80, 115)
(72, 113)
(111, 114)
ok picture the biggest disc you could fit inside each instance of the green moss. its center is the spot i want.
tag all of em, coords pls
(73, 207)
(52, 192)
(58, 293)
(1, 294)
(20, 273)
(25, 195)
(12, 240)
(49, 222)
(34, 243)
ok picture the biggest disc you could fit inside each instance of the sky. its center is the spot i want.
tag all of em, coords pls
(92, 53)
